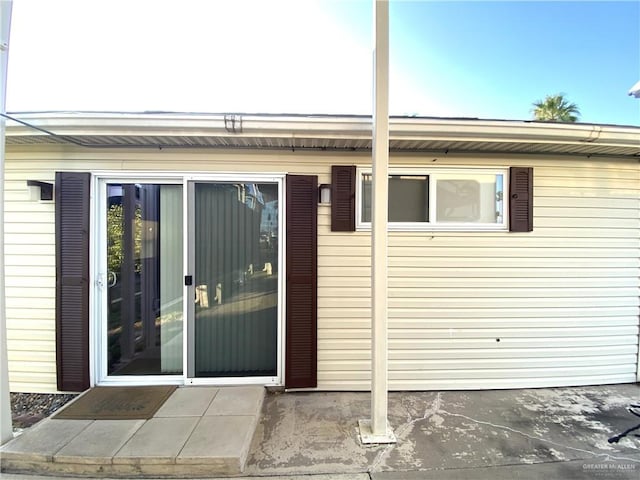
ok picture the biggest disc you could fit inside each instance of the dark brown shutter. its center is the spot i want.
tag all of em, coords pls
(521, 199)
(302, 253)
(343, 198)
(72, 280)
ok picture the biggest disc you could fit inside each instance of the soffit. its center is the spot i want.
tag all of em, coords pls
(324, 133)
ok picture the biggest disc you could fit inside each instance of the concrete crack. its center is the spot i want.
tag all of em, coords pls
(404, 429)
(533, 437)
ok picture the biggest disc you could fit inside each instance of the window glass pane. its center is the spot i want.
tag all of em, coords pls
(366, 197)
(408, 198)
(469, 198)
(236, 279)
(144, 261)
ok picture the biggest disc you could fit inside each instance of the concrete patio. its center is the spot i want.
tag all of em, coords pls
(198, 431)
(555, 433)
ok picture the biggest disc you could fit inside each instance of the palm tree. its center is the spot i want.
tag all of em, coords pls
(556, 108)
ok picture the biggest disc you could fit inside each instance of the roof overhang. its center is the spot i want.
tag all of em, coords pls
(353, 133)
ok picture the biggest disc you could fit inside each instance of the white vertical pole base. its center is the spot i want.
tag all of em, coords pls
(367, 437)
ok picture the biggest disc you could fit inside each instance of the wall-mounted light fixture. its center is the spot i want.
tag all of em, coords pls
(324, 193)
(46, 190)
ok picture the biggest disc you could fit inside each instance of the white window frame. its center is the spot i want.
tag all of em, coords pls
(433, 173)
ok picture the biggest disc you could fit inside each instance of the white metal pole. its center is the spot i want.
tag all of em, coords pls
(6, 426)
(378, 430)
(380, 189)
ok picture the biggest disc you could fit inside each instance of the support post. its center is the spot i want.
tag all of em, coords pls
(377, 430)
(6, 425)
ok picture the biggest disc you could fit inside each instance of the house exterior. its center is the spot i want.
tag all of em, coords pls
(194, 249)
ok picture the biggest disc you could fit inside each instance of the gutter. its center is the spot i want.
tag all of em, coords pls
(71, 127)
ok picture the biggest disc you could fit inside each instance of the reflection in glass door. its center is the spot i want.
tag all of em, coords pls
(144, 279)
(235, 266)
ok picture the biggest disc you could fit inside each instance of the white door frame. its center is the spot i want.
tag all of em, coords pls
(98, 273)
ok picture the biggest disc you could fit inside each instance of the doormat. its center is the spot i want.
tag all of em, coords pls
(117, 403)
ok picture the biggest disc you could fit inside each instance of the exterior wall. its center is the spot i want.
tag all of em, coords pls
(557, 306)
(563, 300)
(30, 280)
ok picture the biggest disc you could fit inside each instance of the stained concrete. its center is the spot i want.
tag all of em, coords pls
(565, 470)
(562, 431)
(361, 476)
(555, 433)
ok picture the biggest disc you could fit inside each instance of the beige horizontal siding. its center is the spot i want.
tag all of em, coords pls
(30, 281)
(30, 234)
(475, 254)
(497, 333)
(338, 285)
(462, 355)
(563, 300)
(557, 306)
(331, 384)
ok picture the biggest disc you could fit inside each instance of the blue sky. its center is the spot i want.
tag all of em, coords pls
(451, 59)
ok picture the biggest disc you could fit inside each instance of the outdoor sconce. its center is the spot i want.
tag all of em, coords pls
(324, 193)
(46, 190)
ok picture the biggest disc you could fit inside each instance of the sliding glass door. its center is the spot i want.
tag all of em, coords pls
(213, 319)
(234, 240)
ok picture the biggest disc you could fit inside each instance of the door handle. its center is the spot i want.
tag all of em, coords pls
(112, 279)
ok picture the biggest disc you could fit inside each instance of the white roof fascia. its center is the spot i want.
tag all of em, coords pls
(322, 127)
(191, 125)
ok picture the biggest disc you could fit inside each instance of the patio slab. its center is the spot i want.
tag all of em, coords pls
(188, 402)
(159, 440)
(179, 441)
(237, 401)
(99, 442)
(44, 440)
(222, 441)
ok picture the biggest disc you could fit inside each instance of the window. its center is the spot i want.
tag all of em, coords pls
(464, 199)
(408, 198)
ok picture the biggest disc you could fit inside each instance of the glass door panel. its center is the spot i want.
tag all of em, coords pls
(144, 279)
(235, 281)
